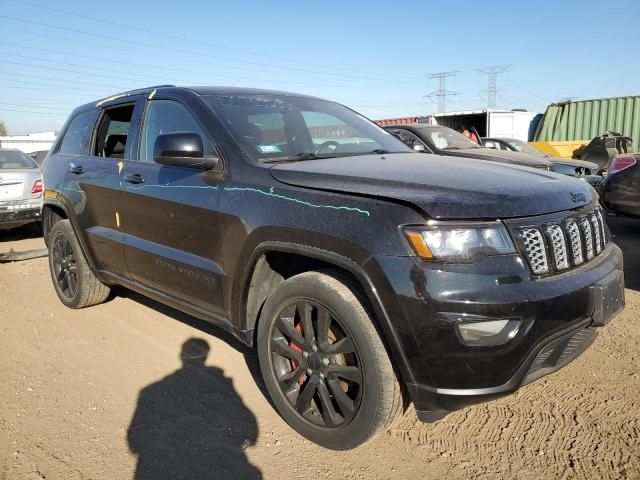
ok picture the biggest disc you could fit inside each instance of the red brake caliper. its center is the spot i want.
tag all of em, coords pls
(297, 348)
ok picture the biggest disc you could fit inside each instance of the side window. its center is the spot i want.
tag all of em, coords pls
(168, 116)
(73, 141)
(113, 132)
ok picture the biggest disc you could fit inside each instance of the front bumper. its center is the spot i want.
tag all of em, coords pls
(559, 317)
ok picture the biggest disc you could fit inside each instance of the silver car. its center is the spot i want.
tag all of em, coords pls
(20, 189)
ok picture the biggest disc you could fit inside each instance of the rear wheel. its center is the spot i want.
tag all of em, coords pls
(324, 363)
(73, 280)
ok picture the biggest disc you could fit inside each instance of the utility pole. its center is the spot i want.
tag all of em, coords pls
(492, 82)
(442, 93)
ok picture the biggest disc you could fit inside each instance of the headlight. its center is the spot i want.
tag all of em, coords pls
(459, 243)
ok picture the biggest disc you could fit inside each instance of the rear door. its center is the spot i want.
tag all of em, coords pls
(92, 183)
(171, 214)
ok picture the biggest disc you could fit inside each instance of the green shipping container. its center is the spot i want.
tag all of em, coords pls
(586, 119)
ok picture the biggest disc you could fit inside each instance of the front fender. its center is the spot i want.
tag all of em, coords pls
(385, 323)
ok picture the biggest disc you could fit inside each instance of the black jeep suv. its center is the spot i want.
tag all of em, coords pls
(365, 276)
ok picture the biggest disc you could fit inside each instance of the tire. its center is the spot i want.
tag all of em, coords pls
(356, 393)
(69, 268)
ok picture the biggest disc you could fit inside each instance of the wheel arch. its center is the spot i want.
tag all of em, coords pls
(51, 214)
(268, 268)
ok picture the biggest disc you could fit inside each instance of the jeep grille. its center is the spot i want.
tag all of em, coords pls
(558, 245)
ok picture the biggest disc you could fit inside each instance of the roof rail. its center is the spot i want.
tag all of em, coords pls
(130, 92)
(153, 87)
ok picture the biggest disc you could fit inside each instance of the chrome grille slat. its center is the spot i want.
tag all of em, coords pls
(536, 253)
(596, 232)
(602, 231)
(585, 225)
(576, 241)
(558, 245)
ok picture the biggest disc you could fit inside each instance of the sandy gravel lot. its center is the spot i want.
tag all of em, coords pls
(97, 393)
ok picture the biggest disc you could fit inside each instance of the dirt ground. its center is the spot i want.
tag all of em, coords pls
(101, 392)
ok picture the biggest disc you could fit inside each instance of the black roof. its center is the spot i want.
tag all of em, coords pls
(202, 90)
(242, 91)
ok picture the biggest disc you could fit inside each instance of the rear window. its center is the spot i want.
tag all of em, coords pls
(15, 159)
(75, 137)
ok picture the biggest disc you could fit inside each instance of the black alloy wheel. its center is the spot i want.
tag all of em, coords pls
(316, 363)
(65, 268)
(324, 363)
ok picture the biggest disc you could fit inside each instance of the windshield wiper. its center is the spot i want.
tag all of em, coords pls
(378, 151)
(297, 157)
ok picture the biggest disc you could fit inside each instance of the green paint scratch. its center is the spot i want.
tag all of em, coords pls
(270, 193)
(203, 187)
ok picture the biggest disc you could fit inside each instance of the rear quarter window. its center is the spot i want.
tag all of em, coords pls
(74, 141)
(14, 159)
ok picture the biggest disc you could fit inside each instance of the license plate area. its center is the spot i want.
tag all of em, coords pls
(608, 298)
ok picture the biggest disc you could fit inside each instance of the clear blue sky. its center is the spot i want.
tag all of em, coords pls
(373, 56)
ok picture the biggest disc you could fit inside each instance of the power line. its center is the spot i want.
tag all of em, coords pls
(526, 90)
(62, 82)
(442, 93)
(492, 81)
(103, 21)
(83, 66)
(39, 107)
(261, 70)
(154, 79)
(188, 52)
(47, 67)
(90, 57)
(30, 111)
(55, 89)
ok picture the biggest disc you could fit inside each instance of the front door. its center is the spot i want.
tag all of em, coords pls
(171, 214)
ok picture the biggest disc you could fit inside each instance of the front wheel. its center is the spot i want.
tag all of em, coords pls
(324, 363)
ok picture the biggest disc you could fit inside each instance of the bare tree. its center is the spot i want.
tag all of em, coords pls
(3, 129)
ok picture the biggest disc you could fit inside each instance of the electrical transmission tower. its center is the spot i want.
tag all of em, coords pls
(492, 82)
(442, 93)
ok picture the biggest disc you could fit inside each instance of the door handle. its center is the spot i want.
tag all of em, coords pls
(77, 169)
(134, 178)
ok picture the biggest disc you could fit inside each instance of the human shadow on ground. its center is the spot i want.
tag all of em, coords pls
(192, 424)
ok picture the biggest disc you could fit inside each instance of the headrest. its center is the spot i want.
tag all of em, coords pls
(115, 145)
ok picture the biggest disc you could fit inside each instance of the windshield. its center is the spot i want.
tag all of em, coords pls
(524, 147)
(445, 138)
(15, 159)
(283, 127)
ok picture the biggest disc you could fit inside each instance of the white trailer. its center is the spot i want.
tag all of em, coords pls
(489, 123)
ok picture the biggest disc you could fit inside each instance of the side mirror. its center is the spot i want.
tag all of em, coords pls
(182, 149)
(418, 147)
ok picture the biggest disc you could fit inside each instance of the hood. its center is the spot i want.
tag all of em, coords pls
(441, 186)
(505, 156)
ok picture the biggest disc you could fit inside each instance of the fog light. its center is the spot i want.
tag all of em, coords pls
(488, 333)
